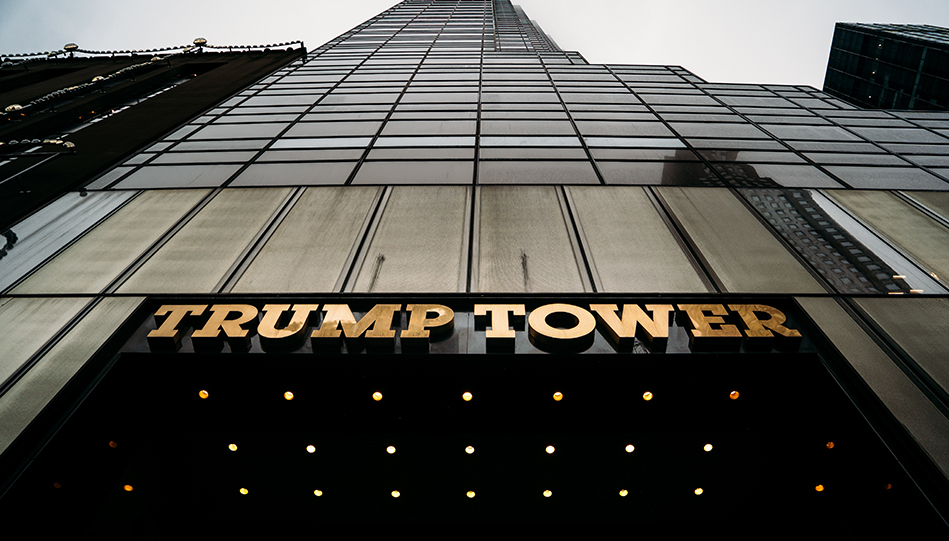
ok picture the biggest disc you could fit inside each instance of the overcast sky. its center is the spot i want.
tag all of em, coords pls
(740, 41)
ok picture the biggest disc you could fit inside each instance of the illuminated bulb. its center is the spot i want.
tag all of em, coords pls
(469, 449)
(232, 447)
(128, 488)
(395, 494)
(647, 396)
(889, 486)
(202, 393)
(113, 445)
(558, 396)
(548, 493)
(57, 485)
(733, 395)
(623, 493)
(377, 396)
(467, 396)
(390, 449)
(830, 445)
(471, 494)
(318, 492)
(708, 447)
(288, 395)
(244, 491)
(699, 491)
(550, 449)
(630, 448)
(311, 449)
(819, 488)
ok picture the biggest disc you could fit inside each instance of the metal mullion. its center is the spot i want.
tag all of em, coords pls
(395, 104)
(250, 252)
(63, 248)
(347, 279)
(159, 243)
(688, 246)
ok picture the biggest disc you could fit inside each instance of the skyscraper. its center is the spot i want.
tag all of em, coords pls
(440, 269)
(890, 66)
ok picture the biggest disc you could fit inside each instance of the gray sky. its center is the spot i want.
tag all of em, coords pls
(753, 41)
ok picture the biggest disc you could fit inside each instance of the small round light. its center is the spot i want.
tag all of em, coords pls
(699, 491)
(232, 446)
(288, 395)
(647, 396)
(630, 448)
(558, 396)
(623, 493)
(819, 488)
(57, 485)
(733, 395)
(830, 445)
(708, 447)
(244, 491)
(377, 396)
(550, 449)
(127, 488)
(113, 445)
(311, 449)
(390, 449)
(471, 494)
(467, 396)
(548, 493)
(318, 492)
(203, 394)
(469, 449)
(889, 486)
(395, 494)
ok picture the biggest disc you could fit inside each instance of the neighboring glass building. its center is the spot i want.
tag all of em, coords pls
(440, 269)
(890, 66)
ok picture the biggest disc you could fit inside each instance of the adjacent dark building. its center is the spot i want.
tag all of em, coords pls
(439, 269)
(890, 66)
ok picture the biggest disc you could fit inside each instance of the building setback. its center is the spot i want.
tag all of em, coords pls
(890, 66)
(439, 269)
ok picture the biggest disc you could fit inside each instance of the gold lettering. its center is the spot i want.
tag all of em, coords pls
(421, 325)
(500, 336)
(701, 332)
(167, 337)
(208, 338)
(622, 331)
(574, 329)
(272, 338)
(339, 317)
(759, 331)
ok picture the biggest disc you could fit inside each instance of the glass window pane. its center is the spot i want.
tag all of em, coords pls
(524, 243)
(308, 250)
(196, 258)
(90, 264)
(746, 257)
(536, 172)
(415, 172)
(178, 176)
(917, 234)
(28, 323)
(631, 246)
(295, 174)
(420, 244)
(25, 400)
(45, 232)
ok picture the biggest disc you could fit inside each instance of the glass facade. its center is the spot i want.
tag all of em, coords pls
(890, 66)
(449, 152)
